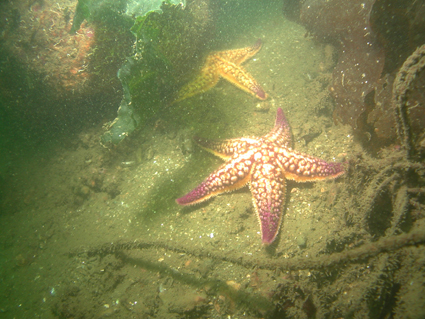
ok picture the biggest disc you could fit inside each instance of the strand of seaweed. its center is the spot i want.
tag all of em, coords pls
(394, 175)
(404, 80)
(386, 244)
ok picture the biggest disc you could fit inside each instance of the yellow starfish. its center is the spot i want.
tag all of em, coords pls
(227, 65)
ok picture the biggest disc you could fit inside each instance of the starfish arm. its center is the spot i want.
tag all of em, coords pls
(204, 81)
(281, 133)
(268, 189)
(305, 168)
(239, 56)
(225, 149)
(230, 176)
(241, 78)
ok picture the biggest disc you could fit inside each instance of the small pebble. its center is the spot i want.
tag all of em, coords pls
(302, 241)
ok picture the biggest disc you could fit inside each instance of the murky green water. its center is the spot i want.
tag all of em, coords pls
(97, 143)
